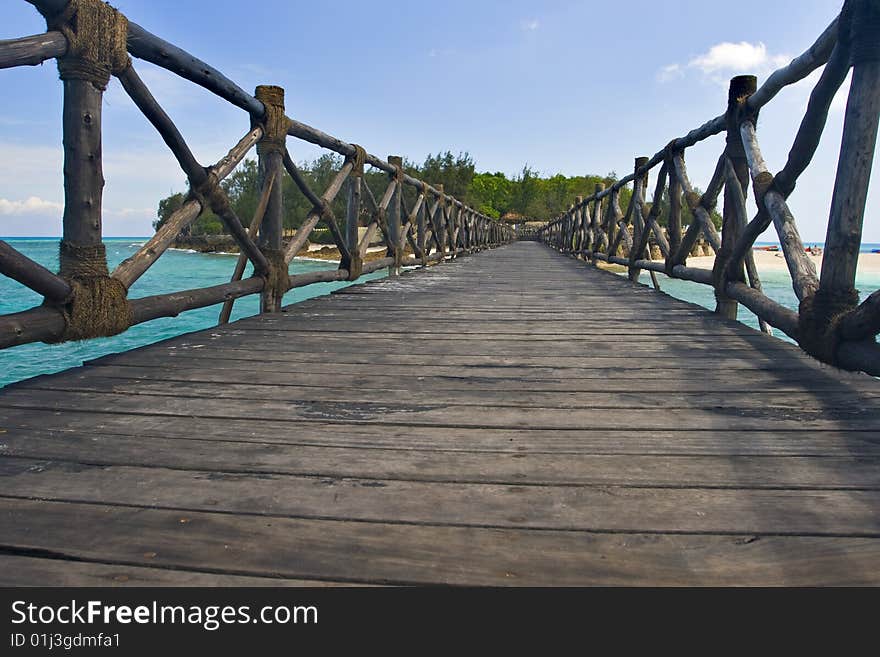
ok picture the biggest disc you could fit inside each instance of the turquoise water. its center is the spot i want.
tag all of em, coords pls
(174, 271)
(776, 284)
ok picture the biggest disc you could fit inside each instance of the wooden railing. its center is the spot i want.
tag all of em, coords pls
(830, 323)
(92, 42)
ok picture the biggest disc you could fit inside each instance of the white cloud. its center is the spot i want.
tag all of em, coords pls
(530, 25)
(29, 206)
(726, 59)
(742, 57)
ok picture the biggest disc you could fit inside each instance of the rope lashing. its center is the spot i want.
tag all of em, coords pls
(358, 159)
(98, 305)
(670, 150)
(693, 201)
(819, 319)
(211, 196)
(764, 182)
(274, 121)
(97, 41)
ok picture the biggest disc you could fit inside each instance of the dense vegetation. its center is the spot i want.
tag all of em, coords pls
(526, 195)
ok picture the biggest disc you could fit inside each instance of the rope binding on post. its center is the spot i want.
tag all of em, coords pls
(210, 195)
(274, 121)
(358, 159)
(819, 320)
(98, 304)
(97, 41)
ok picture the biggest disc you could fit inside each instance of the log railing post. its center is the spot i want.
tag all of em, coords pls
(354, 263)
(844, 236)
(595, 218)
(673, 224)
(441, 221)
(395, 214)
(96, 48)
(821, 315)
(582, 237)
(270, 152)
(637, 220)
(741, 88)
(613, 218)
(422, 228)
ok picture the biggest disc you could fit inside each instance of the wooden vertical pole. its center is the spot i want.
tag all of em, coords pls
(844, 236)
(83, 170)
(741, 87)
(638, 224)
(613, 205)
(595, 218)
(271, 163)
(581, 237)
(674, 221)
(422, 229)
(352, 223)
(441, 220)
(395, 215)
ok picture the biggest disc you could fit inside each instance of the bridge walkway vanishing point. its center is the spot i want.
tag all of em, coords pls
(512, 417)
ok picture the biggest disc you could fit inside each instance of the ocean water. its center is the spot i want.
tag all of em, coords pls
(776, 285)
(174, 271)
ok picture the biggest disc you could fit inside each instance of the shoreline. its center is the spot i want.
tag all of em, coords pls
(770, 261)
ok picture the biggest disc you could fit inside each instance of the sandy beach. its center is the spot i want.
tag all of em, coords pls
(768, 261)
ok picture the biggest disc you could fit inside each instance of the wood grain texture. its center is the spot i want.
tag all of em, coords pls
(544, 428)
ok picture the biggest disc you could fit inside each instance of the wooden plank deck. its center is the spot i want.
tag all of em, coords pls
(514, 417)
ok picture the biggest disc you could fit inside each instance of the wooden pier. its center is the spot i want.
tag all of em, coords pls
(513, 417)
(502, 412)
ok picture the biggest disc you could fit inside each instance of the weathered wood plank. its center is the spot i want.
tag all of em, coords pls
(423, 414)
(402, 554)
(241, 457)
(586, 508)
(33, 571)
(424, 436)
(614, 399)
(695, 442)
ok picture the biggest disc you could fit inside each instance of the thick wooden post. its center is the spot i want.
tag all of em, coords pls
(441, 220)
(83, 171)
(595, 219)
(844, 237)
(581, 226)
(271, 162)
(638, 224)
(452, 233)
(352, 223)
(422, 229)
(613, 216)
(395, 215)
(673, 227)
(741, 87)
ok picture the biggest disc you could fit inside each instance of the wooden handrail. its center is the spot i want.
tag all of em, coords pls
(465, 229)
(830, 324)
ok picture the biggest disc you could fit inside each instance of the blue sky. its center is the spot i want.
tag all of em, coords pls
(570, 87)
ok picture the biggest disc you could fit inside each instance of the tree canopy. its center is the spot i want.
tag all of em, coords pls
(527, 195)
